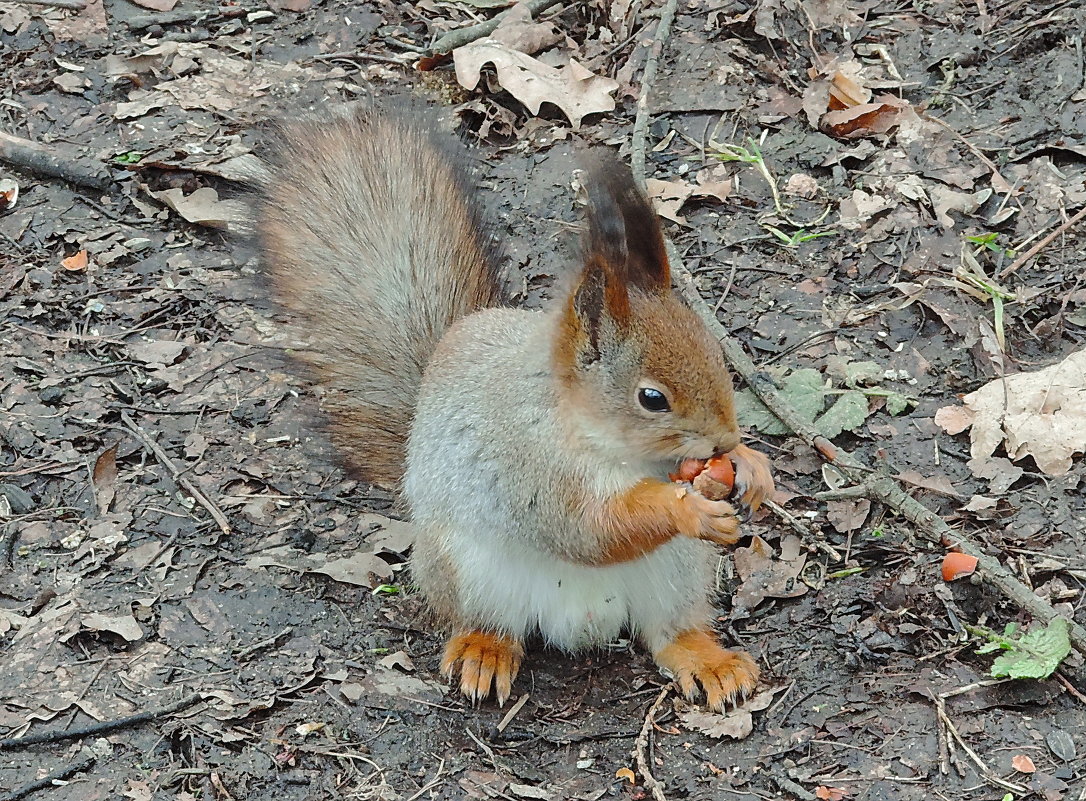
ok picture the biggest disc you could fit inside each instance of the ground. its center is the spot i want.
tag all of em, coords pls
(145, 383)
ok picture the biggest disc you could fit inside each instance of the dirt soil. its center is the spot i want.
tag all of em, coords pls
(144, 385)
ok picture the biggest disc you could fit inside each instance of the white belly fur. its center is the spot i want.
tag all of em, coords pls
(519, 590)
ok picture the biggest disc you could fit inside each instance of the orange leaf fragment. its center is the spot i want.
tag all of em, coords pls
(75, 263)
(1023, 764)
(626, 773)
(956, 565)
(830, 793)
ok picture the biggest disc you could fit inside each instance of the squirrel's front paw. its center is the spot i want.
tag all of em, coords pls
(483, 657)
(695, 658)
(753, 477)
(704, 519)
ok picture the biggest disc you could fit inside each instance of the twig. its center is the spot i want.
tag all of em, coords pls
(641, 747)
(463, 36)
(101, 726)
(788, 786)
(52, 162)
(879, 488)
(74, 5)
(434, 782)
(247, 652)
(47, 781)
(986, 774)
(1033, 251)
(175, 472)
(641, 121)
(183, 17)
(512, 713)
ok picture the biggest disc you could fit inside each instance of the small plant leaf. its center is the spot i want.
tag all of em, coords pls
(804, 389)
(1035, 655)
(847, 414)
(896, 403)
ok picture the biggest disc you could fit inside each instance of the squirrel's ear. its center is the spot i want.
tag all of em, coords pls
(623, 229)
(601, 306)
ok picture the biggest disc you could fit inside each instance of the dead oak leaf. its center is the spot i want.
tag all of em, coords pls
(1040, 414)
(360, 569)
(203, 207)
(574, 89)
(763, 576)
(735, 724)
(866, 119)
(668, 197)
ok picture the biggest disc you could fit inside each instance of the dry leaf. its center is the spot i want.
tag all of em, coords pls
(518, 31)
(848, 516)
(123, 625)
(1023, 764)
(1040, 414)
(203, 207)
(76, 262)
(668, 197)
(765, 577)
(400, 659)
(866, 119)
(575, 90)
(737, 723)
(830, 793)
(626, 773)
(360, 568)
(104, 477)
(944, 199)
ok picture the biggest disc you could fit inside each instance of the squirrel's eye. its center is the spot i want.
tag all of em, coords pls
(653, 400)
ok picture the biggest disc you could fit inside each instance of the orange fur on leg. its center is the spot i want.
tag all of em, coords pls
(695, 658)
(484, 658)
(644, 517)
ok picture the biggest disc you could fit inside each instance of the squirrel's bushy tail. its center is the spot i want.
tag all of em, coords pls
(374, 246)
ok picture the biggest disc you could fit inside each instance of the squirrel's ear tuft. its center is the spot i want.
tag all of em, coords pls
(623, 230)
(601, 305)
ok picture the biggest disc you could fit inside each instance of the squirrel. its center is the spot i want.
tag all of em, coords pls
(532, 448)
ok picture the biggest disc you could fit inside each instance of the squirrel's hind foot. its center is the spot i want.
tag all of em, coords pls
(695, 658)
(483, 657)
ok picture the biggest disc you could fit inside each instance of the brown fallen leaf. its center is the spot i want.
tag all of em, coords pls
(573, 89)
(203, 207)
(824, 793)
(865, 119)
(360, 568)
(1040, 414)
(125, 626)
(1023, 764)
(735, 724)
(765, 577)
(848, 516)
(668, 197)
(75, 262)
(104, 478)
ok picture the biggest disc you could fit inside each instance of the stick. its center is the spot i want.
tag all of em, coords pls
(641, 121)
(641, 747)
(879, 488)
(47, 781)
(463, 36)
(52, 162)
(1033, 251)
(182, 17)
(175, 472)
(74, 5)
(100, 727)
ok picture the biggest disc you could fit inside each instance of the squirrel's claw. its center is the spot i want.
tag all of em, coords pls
(484, 658)
(695, 658)
(753, 477)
